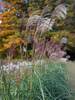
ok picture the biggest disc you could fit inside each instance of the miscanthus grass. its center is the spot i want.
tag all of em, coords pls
(47, 81)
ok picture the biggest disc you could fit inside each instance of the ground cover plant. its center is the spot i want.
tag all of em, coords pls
(47, 81)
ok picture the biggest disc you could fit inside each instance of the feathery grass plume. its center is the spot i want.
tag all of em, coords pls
(41, 24)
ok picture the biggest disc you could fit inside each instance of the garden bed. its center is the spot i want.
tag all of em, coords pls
(48, 81)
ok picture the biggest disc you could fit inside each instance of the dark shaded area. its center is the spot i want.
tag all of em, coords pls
(71, 53)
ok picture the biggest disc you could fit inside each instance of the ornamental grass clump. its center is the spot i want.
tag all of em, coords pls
(41, 82)
(49, 49)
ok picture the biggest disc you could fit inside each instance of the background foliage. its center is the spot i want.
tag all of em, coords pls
(14, 18)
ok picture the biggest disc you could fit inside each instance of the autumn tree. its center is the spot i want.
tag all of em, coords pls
(9, 27)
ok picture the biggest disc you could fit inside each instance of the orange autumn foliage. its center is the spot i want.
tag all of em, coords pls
(9, 28)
